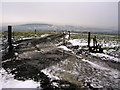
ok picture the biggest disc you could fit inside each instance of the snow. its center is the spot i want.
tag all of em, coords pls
(25, 38)
(6, 60)
(95, 65)
(8, 81)
(67, 36)
(84, 42)
(16, 53)
(20, 84)
(50, 75)
(15, 45)
(112, 72)
(50, 71)
(64, 48)
(110, 44)
(105, 56)
(80, 42)
(96, 86)
(55, 84)
(44, 35)
(112, 52)
(59, 43)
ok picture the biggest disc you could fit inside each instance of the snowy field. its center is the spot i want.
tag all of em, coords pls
(85, 67)
(103, 43)
(101, 75)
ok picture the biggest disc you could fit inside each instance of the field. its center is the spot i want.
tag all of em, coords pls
(52, 61)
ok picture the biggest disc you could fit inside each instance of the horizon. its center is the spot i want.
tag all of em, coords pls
(18, 24)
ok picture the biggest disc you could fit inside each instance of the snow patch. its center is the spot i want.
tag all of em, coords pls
(20, 84)
(50, 75)
(104, 44)
(95, 65)
(55, 84)
(44, 35)
(112, 72)
(65, 48)
(105, 56)
(6, 61)
(25, 38)
(80, 42)
(8, 81)
(67, 36)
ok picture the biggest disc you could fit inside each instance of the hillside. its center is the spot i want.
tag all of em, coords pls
(50, 27)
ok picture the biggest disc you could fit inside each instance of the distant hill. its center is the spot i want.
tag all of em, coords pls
(50, 27)
(36, 24)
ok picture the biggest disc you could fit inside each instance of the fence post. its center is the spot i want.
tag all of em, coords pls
(10, 37)
(88, 39)
(64, 38)
(69, 34)
(35, 31)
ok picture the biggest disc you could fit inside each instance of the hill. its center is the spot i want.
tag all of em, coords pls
(50, 27)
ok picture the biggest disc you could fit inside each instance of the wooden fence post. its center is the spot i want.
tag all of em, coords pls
(35, 31)
(88, 39)
(10, 37)
(69, 34)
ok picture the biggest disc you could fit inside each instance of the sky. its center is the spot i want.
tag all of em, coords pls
(93, 14)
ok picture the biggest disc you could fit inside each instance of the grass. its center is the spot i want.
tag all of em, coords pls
(25, 34)
(29, 34)
(107, 37)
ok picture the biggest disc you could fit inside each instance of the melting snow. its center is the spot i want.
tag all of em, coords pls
(50, 75)
(44, 35)
(83, 42)
(105, 56)
(112, 72)
(6, 60)
(110, 44)
(95, 65)
(80, 42)
(25, 38)
(65, 48)
(67, 36)
(8, 81)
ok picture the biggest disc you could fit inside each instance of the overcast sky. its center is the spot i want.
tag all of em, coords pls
(94, 14)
